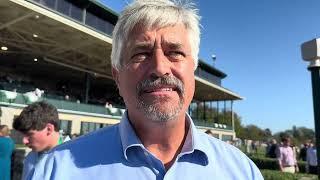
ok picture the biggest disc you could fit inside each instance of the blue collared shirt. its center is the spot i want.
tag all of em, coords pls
(117, 153)
(28, 165)
(35, 160)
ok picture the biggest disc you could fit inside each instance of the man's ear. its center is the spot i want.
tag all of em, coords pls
(50, 128)
(115, 75)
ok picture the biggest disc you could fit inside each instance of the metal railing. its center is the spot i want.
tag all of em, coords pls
(203, 123)
(10, 97)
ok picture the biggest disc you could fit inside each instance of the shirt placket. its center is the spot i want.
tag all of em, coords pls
(154, 164)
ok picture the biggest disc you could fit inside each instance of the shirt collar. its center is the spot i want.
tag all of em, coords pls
(192, 143)
(128, 135)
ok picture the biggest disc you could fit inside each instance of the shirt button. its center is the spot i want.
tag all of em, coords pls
(146, 153)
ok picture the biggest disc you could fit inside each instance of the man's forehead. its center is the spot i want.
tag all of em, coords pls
(32, 131)
(172, 33)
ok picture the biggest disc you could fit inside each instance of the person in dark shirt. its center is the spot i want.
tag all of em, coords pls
(271, 151)
(303, 151)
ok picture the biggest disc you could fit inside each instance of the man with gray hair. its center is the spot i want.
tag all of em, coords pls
(154, 54)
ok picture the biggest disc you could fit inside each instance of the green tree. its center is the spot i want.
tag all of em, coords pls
(268, 133)
(253, 132)
(298, 134)
(212, 114)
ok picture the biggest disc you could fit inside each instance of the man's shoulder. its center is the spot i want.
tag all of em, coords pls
(31, 155)
(88, 151)
(223, 157)
(219, 146)
(31, 159)
(103, 143)
(230, 157)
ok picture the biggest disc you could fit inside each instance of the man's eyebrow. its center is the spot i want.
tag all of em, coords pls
(173, 45)
(142, 46)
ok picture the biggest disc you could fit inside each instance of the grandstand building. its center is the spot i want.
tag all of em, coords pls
(59, 51)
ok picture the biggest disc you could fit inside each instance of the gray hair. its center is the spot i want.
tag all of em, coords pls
(155, 13)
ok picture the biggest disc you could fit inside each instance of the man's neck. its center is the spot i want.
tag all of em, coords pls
(163, 139)
(54, 141)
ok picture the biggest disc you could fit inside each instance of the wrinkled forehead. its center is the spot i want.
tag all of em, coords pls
(171, 31)
(175, 34)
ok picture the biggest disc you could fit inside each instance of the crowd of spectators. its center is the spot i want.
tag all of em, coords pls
(288, 154)
(285, 152)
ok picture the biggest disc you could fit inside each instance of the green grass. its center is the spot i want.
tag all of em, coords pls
(277, 175)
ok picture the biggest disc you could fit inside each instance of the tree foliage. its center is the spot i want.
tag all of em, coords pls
(212, 114)
(298, 134)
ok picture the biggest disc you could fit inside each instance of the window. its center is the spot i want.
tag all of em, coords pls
(64, 7)
(49, 3)
(227, 137)
(76, 13)
(87, 127)
(65, 125)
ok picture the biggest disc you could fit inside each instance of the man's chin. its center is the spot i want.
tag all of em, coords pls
(162, 112)
(163, 108)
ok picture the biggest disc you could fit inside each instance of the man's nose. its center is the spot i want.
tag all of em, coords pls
(160, 64)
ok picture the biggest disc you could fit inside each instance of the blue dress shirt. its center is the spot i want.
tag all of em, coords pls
(35, 160)
(117, 153)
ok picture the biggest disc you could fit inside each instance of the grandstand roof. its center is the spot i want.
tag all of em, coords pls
(39, 32)
(30, 29)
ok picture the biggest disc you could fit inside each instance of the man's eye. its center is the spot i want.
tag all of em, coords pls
(176, 55)
(139, 57)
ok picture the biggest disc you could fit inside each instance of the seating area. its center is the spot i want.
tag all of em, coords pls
(15, 90)
(25, 89)
(11, 98)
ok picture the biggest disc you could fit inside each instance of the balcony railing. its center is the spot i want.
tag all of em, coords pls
(10, 98)
(207, 76)
(14, 98)
(212, 125)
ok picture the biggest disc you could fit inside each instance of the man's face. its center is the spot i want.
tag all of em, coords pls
(287, 142)
(156, 80)
(37, 140)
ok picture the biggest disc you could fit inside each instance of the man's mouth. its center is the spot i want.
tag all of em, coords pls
(159, 89)
(161, 86)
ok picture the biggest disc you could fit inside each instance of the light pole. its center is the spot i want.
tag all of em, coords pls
(311, 52)
(214, 58)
